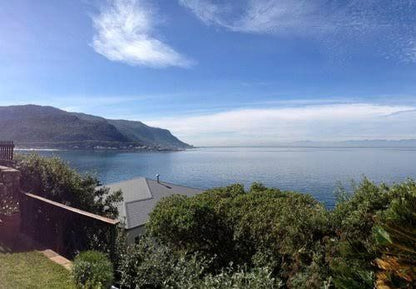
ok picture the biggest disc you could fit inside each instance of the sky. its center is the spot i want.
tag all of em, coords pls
(215, 72)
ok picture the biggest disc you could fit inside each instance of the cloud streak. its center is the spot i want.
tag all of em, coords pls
(385, 23)
(256, 16)
(125, 32)
(335, 122)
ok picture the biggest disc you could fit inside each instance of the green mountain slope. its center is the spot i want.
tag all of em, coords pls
(48, 127)
(136, 130)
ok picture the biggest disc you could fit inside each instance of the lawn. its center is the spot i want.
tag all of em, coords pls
(31, 270)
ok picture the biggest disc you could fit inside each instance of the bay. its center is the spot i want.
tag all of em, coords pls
(317, 171)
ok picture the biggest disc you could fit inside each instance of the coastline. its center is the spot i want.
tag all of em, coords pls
(99, 149)
(96, 146)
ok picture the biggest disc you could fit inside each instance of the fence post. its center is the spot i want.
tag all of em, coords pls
(113, 236)
(6, 150)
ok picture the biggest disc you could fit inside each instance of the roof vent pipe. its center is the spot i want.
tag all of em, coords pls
(157, 178)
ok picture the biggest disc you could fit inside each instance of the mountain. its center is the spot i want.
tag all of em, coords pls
(377, 143)
(48, 127)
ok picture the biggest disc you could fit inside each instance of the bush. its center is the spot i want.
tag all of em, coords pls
(354, 251)
(92, 270)
(282, 231)
(54, 179)
(395, 234)
(155, 266)
(369, 224)
(258, 278)
(8, 203)
(192, 225)
(266, 238)
(150, 264)
(238, 278)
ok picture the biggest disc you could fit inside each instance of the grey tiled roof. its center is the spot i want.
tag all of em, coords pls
(141, 196)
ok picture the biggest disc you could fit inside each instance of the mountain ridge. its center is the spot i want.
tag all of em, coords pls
(35, 126)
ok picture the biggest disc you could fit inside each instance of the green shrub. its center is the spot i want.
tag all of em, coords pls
(192, 225)
(54, 179)
(354, 251)
(283, 231)
(258, 278)
(395, 234)
(145, 265)
(155, 266)
(229, 278)
(8, 203)
(362, 221)
(92, 270)
(150, 264)
(266, 238)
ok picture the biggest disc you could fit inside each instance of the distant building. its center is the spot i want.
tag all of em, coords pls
(140, 197)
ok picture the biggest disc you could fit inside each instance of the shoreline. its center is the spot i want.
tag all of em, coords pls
(114, 149)
(20, 149)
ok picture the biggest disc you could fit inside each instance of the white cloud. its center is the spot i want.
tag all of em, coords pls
(277, 125)
(124, 32)
(339, 24)
(262, 16)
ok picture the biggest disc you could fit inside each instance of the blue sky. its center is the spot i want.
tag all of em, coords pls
(250, 72)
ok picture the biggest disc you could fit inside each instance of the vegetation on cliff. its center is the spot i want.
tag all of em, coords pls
(54, 179)
(273, 239)
(258, 238)
(49, 127)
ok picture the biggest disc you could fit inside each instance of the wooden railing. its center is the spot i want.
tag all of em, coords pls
(6, 150)
(66, 230)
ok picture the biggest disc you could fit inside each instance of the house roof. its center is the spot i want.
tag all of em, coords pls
(141, 196)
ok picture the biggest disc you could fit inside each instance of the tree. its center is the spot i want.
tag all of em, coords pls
(54, 179)
(282, 231)
(395, 234)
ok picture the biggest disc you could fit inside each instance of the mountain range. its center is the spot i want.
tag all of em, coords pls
(366, 143)
(33, 126)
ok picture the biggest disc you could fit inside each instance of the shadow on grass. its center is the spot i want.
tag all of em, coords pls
(20, 244)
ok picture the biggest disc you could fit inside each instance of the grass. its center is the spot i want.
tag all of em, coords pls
(31, 270)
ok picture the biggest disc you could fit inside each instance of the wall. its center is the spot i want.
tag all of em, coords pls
(10, 181)
(62, 228)
(134, 233)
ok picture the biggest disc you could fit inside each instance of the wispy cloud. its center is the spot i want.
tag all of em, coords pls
(125, 32)
(313, 122)
(389, 24)
(258, 16)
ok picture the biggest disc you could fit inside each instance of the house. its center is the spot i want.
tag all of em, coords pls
(140, 197)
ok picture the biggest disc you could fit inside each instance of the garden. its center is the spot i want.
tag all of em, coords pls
(260, 237)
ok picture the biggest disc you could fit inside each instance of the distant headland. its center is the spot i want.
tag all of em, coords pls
(45, 127)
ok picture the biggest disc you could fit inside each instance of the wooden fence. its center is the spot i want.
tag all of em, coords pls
(65, 229)
(6, 150)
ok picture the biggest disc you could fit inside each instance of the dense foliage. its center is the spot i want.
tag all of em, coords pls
(261, 238)
(150, 264)
(55, 180)
(266, 238)
(395, 235)
(92, 270)
(263, 228)
(52, 178)
(368, 226)
(8, 203)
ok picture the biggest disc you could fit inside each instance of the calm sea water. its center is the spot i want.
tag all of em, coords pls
(317, 171)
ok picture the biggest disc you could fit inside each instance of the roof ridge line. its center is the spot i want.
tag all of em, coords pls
(176, 185)
(126, 218)
(148, 188)
(137, 201)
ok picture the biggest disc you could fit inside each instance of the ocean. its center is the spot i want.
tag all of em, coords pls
(317, 171)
